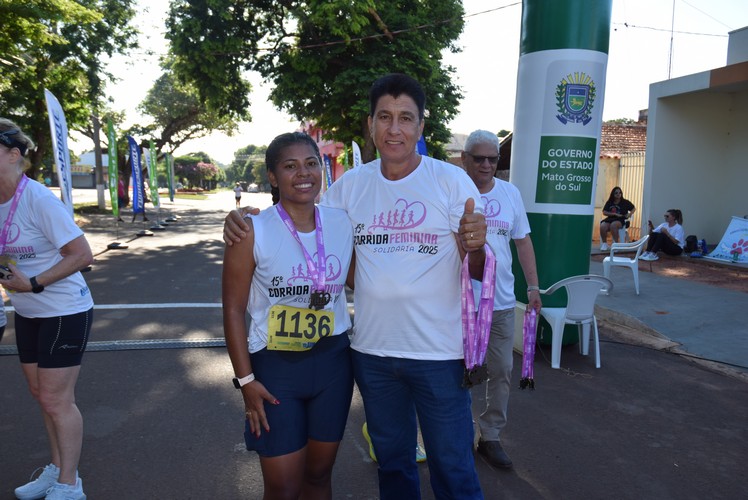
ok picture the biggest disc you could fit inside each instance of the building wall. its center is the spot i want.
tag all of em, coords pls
(737, 46)
(696, 154)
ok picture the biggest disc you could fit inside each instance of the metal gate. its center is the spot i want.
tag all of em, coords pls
(631, 181)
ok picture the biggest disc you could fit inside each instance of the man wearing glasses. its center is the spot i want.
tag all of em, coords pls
(506, 219)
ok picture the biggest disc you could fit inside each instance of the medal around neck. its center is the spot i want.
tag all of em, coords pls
(319, 299)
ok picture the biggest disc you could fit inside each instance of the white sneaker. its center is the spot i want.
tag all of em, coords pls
(604, 247)
(39, 486)
(653, 256)
(644, 256)
(60, 491)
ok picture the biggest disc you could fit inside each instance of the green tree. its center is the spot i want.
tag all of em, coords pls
(178, 114)
(260, 174)
(623, 121)
(197, 170)
(246, 161)
(322, 56)
(62, 46)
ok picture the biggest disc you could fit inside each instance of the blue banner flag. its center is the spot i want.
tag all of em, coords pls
(421, 146)
(138, 207)
(328, 169)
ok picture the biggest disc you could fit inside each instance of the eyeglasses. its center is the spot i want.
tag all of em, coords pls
(5, 138)
(493, 160)
(667, 216)
(10, 142)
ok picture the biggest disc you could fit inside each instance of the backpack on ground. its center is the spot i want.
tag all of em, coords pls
(692, 244)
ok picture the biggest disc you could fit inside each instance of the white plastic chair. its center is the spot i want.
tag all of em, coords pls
(623, 234)
(631, 263)
(582, 292)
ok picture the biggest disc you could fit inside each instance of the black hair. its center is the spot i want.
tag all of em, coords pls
(610, 198)
(275, 149)
(396, 84)
(677, 214)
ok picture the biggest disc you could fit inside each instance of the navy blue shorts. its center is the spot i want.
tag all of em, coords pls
(56, 342)
(314, 388)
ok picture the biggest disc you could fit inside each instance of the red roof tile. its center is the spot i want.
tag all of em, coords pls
(617, 139)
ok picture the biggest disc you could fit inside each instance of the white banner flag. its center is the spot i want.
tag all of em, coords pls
(59, 128)
(356, 155)
(733, 247)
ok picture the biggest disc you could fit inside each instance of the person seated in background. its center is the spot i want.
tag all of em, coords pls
(616, 211)
(668, 236)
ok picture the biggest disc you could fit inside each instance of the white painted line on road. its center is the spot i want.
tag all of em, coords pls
(173, 305)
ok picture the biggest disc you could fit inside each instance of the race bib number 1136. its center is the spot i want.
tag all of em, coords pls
(296, 329)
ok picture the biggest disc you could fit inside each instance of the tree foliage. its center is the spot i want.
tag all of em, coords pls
(59, 45)
(623, 121)
(321, 55)
(245, 160)
(197, 170)
(178, 114)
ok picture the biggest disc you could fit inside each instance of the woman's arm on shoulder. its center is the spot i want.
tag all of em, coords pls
(238, 270)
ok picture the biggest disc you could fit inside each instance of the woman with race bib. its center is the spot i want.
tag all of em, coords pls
(293, 368)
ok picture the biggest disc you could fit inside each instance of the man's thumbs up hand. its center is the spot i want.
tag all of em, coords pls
(472, 229)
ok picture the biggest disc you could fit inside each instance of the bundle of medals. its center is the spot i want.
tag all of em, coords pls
(528, 350)
(476, 325)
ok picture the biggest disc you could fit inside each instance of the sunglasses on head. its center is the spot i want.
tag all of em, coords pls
(8, 141)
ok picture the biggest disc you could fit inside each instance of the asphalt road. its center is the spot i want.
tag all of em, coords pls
(163, 421)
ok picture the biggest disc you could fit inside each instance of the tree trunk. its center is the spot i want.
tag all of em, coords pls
(368, 150)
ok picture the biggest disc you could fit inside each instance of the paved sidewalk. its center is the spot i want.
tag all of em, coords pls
(700, 320)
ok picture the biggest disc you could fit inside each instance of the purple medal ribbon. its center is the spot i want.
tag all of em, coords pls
(528, 350)
(476, 327)
(317, 271)
(13, 207)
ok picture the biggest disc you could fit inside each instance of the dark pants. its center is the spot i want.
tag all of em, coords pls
(661, 242)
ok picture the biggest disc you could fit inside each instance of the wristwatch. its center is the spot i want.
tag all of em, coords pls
(35, 286)
(240, 382)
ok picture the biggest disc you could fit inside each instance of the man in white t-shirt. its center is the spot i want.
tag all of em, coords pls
(414, 219)
(506, 220)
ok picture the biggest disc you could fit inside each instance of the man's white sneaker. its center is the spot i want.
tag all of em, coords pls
(60, 491)
(604, 247)
(38, 487)
(653, 256)
(644, 256)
